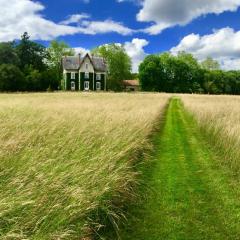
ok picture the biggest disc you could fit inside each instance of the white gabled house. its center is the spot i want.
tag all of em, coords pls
(87, 73)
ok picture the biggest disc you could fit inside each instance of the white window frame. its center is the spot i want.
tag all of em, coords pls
(86, 75)
(88, 85)
(73, 75)
(98, 76)
(98, 85)
(86, 66)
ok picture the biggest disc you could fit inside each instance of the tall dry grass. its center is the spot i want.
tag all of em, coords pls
(219, 118)
(65, 157)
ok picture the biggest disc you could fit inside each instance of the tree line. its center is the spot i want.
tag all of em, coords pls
(184, 74)
(29, 66)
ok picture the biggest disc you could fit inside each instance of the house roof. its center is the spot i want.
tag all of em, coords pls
(74, 62)
(71, 62)
(133, 83)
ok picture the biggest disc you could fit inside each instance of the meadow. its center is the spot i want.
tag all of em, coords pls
(68, 160)
(219, 119)
(119, 166)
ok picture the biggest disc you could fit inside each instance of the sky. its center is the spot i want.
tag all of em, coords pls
(201, 27)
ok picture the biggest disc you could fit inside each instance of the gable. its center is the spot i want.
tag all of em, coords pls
(86, 65)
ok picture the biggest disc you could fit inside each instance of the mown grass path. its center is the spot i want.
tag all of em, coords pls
(191, 196)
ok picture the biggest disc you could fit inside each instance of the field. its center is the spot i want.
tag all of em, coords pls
(147, 166)
(66, 158)
(219, 119)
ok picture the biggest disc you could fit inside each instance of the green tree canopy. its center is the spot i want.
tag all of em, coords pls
(210, 64)
(8, 54)
(56, 51)
(11, 78)
(31, 53)
(119, 64)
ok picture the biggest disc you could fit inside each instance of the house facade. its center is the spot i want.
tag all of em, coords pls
(84, 73)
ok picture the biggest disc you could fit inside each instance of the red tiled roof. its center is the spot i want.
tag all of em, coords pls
(131, 83)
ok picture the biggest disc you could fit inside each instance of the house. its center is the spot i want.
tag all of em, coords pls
(87, 73)
(131, 85)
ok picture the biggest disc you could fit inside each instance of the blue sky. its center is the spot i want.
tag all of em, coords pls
(202, 27)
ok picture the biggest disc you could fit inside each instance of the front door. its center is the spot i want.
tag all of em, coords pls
(98, 86)
(73, 87)
(86, 85)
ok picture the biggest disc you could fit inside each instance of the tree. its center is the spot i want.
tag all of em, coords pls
(210, 64)
(195, 74)
(56, 51)
(31, 53)
(151, 74)
(11, 78)
(8, 54)
(168, 73)
(119, 64)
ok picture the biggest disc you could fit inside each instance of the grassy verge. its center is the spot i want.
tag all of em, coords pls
(65, 158)
(190, 196)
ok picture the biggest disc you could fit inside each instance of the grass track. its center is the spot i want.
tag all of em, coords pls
(191, 196)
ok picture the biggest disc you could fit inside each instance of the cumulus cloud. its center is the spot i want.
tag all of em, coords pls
(81, 50)
(135, 49)
(164, 14)
(94, 27)
(18, 16)
(75, 18)
(223, 45)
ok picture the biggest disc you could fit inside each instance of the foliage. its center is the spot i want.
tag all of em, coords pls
(24, 66)
(11, 78)
(210, 64)
(31, 53)
(183, 74)
(56, 51)
(119, 64)
(8, 54)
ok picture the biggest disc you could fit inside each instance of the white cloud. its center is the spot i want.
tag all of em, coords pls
(94, 27)
(18, 16)
(223, 45)
(81, 50)
(135, 49)
(164, 14)
(75, 18)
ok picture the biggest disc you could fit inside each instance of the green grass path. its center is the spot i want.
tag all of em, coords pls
(191, 196)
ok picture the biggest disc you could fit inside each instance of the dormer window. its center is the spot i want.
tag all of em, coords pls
(86, 75)
(98, 76)
(73, 75)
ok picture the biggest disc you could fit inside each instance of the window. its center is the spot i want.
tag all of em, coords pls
(98, 76)
(98, 86)
(73, 75)
(87, 66)
(86, 85)
(86, 75)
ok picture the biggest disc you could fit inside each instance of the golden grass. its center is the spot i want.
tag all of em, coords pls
(219, 118)
(65, 156)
